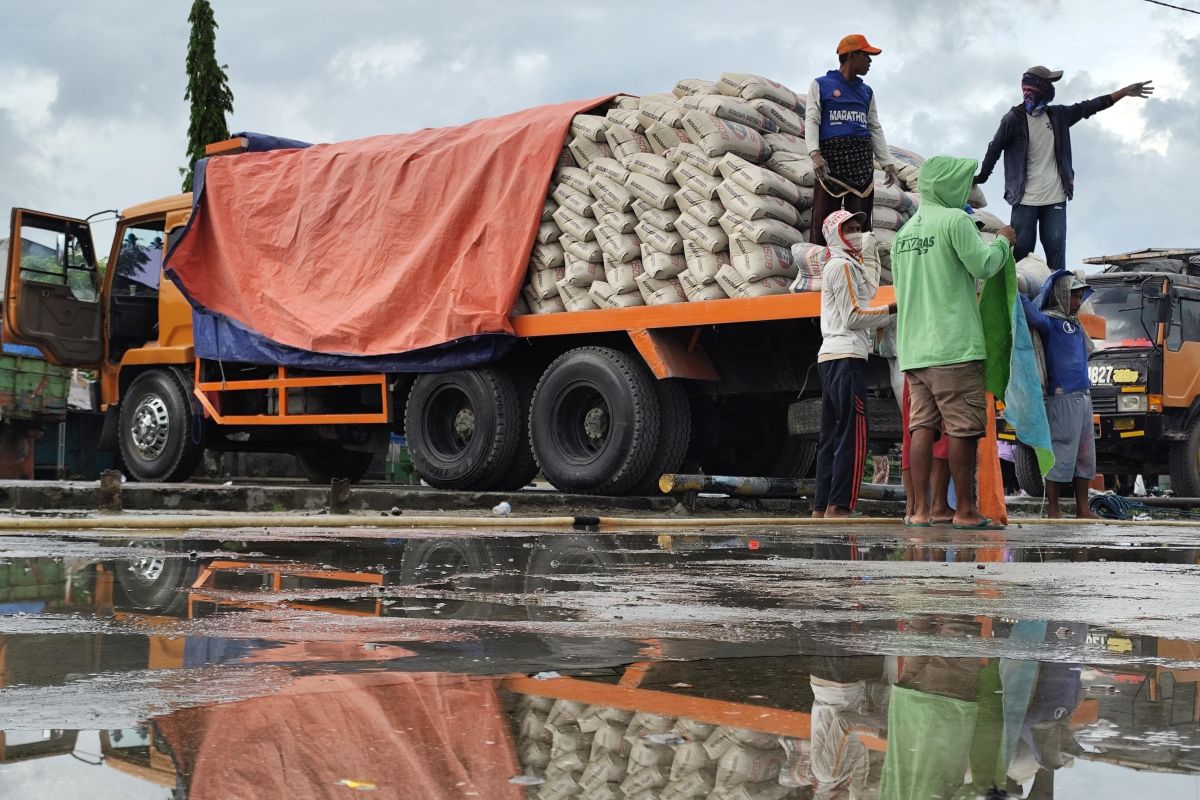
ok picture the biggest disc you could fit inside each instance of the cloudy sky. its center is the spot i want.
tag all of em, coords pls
(92, 114)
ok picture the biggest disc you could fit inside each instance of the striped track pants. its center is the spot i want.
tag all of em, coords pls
(842, 448)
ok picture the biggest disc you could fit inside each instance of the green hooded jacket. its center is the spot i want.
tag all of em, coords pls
(936, 260)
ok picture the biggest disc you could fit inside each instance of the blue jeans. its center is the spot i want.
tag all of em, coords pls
(1051, 221)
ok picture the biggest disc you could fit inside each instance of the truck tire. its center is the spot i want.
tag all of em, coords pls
(1185, 463)
(674, 434)
(434, 563)
(463, 427)
(156, 582)
(158, 434)
(594, 421)
(323, 466)
(764, 446)
(523, 469)
(1029, 475)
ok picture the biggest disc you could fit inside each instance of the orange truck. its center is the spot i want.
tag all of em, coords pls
(601, 402)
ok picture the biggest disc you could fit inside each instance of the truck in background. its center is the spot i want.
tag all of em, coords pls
(1145, 373)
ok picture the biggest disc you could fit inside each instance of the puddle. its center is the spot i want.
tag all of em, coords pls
(756, 664)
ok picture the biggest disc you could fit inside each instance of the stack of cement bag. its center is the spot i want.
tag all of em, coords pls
(601, 753)
(699, 194)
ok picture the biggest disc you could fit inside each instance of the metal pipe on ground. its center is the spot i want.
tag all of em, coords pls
(741, 486)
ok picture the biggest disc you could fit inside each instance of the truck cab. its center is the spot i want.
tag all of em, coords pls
(1145, 372)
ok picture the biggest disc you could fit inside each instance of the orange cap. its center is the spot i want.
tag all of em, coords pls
(856, 41)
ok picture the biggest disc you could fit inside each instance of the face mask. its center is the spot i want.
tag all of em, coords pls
(853, 241)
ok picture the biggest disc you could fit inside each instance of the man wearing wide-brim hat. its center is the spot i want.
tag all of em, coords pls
(1039, 177)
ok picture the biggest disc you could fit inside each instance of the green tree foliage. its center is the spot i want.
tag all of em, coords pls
(207, 88)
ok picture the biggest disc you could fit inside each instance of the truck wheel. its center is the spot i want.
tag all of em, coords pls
(156, 582)
(1029, 475)
(594, 421)
(434, 563)
(523, 469)
(158, 429)
(323, 466)
(463, 427)
(674, 434)
(1185, 463)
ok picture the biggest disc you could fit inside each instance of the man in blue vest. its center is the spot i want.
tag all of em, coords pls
(844, 138)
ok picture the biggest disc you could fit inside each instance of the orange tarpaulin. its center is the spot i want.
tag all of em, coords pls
(375, 246)
(411, 736)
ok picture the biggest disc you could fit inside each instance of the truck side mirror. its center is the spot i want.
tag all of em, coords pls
(60, 250)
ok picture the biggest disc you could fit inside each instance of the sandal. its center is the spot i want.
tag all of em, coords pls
(984, 524)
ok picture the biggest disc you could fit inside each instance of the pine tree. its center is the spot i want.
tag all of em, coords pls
(207, 88)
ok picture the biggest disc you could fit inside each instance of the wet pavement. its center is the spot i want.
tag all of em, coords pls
(735, 664)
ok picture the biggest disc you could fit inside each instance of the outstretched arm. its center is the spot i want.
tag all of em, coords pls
(1081, 111)
(1139, 89)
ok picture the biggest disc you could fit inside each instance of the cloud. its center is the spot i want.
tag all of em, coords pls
(363, 63)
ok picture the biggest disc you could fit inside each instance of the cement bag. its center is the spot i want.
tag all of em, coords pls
(575, 298)
(711, 237)
(745, 764)
(668, 113)
(659, 218)
(548, 232)
(694, 203)
(566, 158)
(688, 153)
(762, 231)
(581, 272)
(656, 292)
(573, 177)
(626, 144)
(754, 262)
(753, 87)
(893, 197)
(731, 109)
(586, 151)
(617, 246)
(609, 168)
(668, 242)
(520, 306)
(976, 198)
(581, 249)
(908, 176)
(542, 282)
(548, 209)
(716, 137)
(702, 264)
(589, 126)
(611, 193)
(806, 283)
(663, 137)
(689, 86)
(566, 197)
(734, 285)
(660, 265)
(620, 221)
(991, 223)
(1032, 272)
(745, 203)
(786, 120)
(810, 258)
(546, 256)
(621, 275)
(787, 143)
(626, 102)
(605, 296)
(698, 291)
(700, 182)
(625, 118)
(883, 245)
(578, 226)
(692, 785)
(655, 192)
(796, 168)
(653, 165)
(551, 305)
(757, 179)
(889, 218)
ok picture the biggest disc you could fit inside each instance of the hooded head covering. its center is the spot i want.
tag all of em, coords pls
(946, 181)
(834, 240)
(1055, 296)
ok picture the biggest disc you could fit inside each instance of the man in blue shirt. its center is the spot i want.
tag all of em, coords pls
(844, 137)
(1068, 389)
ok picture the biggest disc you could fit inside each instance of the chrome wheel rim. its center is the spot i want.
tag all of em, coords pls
(151, 427)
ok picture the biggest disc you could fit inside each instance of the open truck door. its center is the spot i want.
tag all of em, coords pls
(52, 298)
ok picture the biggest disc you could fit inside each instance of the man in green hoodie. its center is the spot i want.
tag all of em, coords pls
(936, 260)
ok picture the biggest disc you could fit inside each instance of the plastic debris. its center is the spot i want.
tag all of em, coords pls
(502, 509)
(359, 786)
(545, 676)
(670, 739)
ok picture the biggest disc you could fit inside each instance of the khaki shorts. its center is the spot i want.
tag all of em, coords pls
(952, 396)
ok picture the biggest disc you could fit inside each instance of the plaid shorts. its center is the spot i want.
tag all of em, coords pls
(850, 160)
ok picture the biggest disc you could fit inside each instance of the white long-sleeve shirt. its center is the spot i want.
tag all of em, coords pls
(812, 126)
(847, 321)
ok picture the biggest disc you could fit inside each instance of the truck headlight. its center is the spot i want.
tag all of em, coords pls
(1131, 404)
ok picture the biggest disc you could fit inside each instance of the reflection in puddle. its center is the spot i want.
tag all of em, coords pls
(719, 667)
